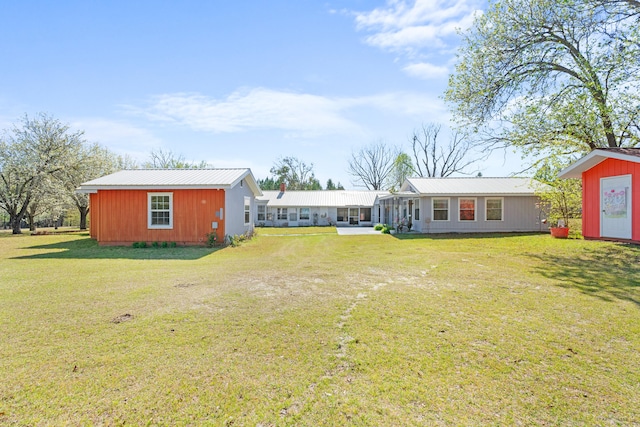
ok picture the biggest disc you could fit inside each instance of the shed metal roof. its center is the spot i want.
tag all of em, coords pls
(171, 179)
(320, 198)
(470, 186)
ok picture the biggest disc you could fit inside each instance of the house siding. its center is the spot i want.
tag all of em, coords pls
(520, 213)
(120, 216)
(591, 194)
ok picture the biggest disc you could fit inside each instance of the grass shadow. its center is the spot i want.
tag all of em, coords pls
(87, 248)
(607, 273)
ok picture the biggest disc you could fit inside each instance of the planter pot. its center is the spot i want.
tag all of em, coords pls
(559, 232)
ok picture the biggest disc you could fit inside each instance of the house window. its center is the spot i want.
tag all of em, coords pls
(247, 211)
(160, 210)
(365, 214)
(343, 214)
(467, 209)
(282, 214)
(262, 212)
(441, 209)
(293, 215)
(494, 209)
(304, 214)
(416, 210)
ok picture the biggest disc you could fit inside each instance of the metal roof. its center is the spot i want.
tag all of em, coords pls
(597, 156)
(470, 186)
(170, 179)
(320, 198)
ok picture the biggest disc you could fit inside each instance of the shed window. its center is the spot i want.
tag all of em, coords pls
(467, 209)
(494, 209)
(160, 210)
(441, 209)
(304, 214)
(247, 210)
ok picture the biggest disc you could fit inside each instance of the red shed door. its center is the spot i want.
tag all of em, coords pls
(615, 206)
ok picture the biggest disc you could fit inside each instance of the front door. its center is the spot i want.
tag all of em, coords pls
(615, 207)
(354, 216)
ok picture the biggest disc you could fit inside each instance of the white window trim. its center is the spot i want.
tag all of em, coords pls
(475, 209)
(247, 210)
(486, 207)
(160, 226)
(433, 210)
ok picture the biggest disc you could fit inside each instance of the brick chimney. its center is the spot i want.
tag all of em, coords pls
(282, 187)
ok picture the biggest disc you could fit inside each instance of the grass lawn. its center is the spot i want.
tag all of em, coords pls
(320, 330)
(294, 231)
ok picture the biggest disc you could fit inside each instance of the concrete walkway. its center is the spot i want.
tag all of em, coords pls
(356, 231)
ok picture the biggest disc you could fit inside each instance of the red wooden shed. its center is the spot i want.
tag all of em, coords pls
(610, 193)
(171, 205)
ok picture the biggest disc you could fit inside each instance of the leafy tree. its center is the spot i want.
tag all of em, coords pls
(372, 165)
(92, 161)
(126, 162)
(402, 169)
(551, 77)
(268, 184)
(332, 186)
(434, 159)
(48, 198)
(295, 174)
(161, 159)
(37, 150)
(563, 197)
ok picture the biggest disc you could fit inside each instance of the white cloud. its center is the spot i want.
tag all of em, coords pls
(401, 26)
(426, 71)
(296, 114)
(253, 109)
(121, 137)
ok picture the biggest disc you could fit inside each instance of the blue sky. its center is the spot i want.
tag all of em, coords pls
(238, 84)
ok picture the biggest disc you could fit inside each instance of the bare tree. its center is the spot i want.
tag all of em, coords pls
(434, 159)
(167, 159)
(371, 165)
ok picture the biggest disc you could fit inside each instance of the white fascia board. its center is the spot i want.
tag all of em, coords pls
(592, 159)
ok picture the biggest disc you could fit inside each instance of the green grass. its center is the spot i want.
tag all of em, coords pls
(321, 330)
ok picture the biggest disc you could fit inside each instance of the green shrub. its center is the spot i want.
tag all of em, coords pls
(164, 245)
(378, 227)
(212, 239)
(155, 245)
(139, 244)
(173, 244)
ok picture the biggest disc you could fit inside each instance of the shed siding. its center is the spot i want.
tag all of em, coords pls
(94, 212)
(234, 215)
(591, 195)
(520, 213)
(122, 216)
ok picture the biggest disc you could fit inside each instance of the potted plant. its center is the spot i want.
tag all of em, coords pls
(562, 198)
